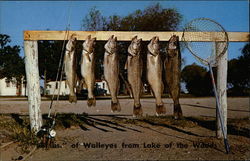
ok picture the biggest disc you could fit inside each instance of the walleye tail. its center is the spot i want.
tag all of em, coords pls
(91, 102)
(72, 99)
(115, 106)
(160, 109)
(137, 111)
(177, 111)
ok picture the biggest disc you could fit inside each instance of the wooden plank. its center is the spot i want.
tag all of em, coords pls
(127, 35)
(33, 85)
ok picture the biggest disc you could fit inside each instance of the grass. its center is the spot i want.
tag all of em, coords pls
(67, 120)
(17, 128)
(19, 131)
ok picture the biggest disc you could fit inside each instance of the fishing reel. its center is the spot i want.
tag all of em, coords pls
(47, 133)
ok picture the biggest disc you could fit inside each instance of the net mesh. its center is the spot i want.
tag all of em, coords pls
(206, 40)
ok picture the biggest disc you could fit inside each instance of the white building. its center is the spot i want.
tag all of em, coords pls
(9, 88)
(51, 86)
(102, 84)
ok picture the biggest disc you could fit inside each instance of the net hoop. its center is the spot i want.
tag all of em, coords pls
(209, 60)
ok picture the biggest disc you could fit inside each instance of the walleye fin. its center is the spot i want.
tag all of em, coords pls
(137, 112)
(72, 99)
(79, 85)
(126, 65)
(160, 110)
(177, 111)
(91, 102)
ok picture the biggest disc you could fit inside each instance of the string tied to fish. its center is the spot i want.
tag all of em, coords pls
(109, 53)
(88, 54)
(156, 53)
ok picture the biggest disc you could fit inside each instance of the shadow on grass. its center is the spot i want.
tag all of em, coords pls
(154, 121)
(232, 129)
(17, 118)
(85, 121)
(208, 124)
(170, 127)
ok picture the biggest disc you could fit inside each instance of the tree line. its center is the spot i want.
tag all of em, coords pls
(153, 18)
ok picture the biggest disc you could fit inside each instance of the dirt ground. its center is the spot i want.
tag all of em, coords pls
(97, 134)
(237, 107)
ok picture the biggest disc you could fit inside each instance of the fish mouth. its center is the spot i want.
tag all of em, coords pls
(153, 46)
(153, 51)
(74, 39)
(155, 39)
(173, 42)
(173, 38)
(111, 46)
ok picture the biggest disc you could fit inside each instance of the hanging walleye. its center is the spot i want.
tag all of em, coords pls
(111, 71)
(70, 65)
(173, 72)
(88, 68)
(154, 73)
(134, 67)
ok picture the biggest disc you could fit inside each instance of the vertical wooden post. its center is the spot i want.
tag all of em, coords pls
(222, 92)
(33, 85)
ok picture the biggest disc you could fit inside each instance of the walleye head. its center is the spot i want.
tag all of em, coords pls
(135, 46)
(173, 42)
(71, 43)
(89, 44)
(111, 45)
(153, 46)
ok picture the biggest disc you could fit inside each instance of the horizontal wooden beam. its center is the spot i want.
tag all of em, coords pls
(127, 35)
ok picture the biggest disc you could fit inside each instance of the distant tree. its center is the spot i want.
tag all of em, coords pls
(245, 64)
(11, 63)
(238, 73)
(93, 20)
(153, 18)
(48, 57)
(197, 80)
